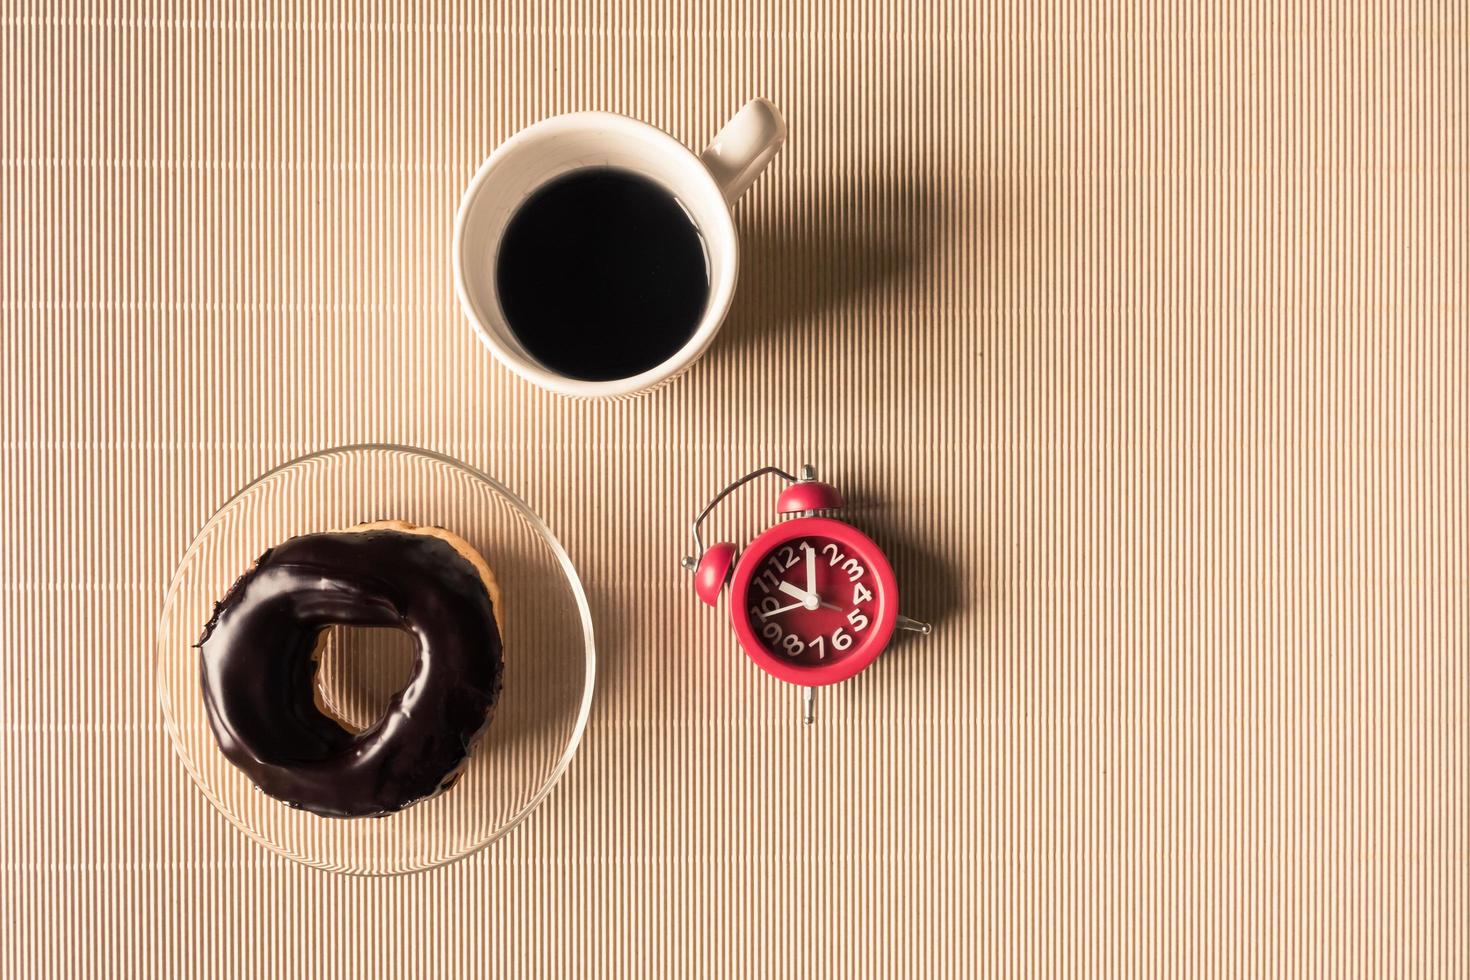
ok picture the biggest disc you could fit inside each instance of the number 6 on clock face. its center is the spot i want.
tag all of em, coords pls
(814, 600)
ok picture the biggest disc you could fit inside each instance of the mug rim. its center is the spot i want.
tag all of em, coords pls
(526, 367)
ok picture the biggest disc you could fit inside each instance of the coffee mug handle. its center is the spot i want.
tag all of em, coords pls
(740, 151)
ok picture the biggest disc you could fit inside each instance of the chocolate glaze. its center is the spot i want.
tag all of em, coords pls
(257, 669)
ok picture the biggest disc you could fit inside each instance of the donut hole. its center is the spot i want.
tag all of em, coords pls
(359, 669)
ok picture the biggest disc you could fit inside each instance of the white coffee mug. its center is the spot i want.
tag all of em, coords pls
(706, 185)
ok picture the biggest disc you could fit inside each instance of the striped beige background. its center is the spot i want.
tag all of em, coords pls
(1139, 335)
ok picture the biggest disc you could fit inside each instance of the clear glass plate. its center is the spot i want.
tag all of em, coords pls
(549, 655)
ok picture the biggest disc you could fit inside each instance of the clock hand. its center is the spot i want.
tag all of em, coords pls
(811, 570)
(807, 599)
(775, 612)
(831, 605)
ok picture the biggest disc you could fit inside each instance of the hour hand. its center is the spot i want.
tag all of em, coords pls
(807, 599)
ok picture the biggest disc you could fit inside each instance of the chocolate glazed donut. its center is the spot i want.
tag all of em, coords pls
(257, 666)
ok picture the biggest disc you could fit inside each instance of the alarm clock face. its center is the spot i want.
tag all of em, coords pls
(813, 601)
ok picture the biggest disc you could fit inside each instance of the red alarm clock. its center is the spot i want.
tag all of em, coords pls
(813, 600)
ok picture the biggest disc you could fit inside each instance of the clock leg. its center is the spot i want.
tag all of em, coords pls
(914, 626)
(808, 705)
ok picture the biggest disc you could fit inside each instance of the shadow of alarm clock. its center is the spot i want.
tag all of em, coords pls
(813, 600)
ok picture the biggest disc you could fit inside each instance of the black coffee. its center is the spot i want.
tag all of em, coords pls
(602, 274)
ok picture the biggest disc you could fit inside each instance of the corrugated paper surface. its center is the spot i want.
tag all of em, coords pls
(1137, 334)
